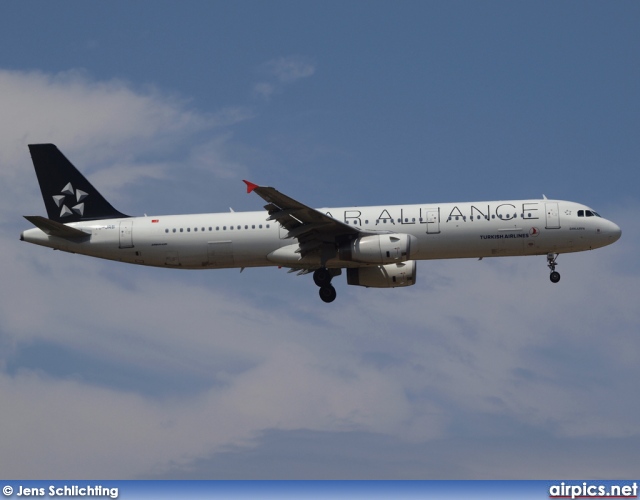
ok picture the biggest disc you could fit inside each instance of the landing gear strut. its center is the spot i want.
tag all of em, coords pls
(322, 277)
(551, 264)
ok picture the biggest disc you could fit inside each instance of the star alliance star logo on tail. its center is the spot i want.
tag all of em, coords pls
(79, 196)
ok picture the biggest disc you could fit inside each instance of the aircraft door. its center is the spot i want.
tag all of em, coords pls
(433, 220)
(126, 233)
(553, 216)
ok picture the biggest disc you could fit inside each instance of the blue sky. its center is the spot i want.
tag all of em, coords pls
(481, 370)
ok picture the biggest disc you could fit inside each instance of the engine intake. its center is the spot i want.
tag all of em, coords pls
(388, 276)
(379, 249)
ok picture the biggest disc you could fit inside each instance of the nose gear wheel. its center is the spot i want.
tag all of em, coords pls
(551, 264)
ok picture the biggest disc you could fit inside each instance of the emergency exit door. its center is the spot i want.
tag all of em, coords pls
(553, 217)
(126, 234)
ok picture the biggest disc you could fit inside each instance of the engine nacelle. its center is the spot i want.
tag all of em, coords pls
(379, 249)
(389, 276)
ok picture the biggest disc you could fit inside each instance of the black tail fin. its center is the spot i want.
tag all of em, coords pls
(68, 195)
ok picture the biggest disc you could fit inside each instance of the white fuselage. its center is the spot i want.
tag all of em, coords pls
(248, 239)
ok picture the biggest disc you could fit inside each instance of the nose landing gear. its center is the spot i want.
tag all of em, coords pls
(551, 264)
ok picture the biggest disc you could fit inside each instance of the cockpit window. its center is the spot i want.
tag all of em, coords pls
(588, 213)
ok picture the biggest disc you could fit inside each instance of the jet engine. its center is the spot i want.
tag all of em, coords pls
(379, 249)
(388, 276)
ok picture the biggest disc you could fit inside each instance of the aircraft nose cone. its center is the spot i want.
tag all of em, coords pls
(616, 232)
(613, 231)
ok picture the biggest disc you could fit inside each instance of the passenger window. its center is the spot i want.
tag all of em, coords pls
(166, 230)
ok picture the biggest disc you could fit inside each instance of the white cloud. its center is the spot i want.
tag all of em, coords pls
(291, 68)
(103, 125)
(80, 113)
(267, 377)
(217, 156)
(264, 89)
(283, 71)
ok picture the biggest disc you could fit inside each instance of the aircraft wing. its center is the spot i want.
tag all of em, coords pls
(316, 232)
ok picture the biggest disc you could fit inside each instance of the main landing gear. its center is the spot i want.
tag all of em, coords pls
(322, 277)
(551, 264)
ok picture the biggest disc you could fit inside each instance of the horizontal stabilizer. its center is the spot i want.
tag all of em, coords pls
(53, 228)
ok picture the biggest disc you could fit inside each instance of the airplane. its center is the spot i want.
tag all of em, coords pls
(378, 246)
